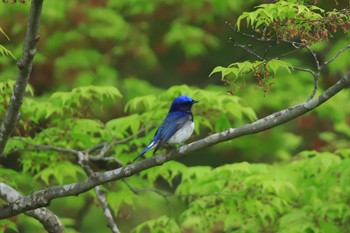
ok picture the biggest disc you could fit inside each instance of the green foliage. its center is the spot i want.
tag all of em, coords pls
(61, 173)
(240, 69)
(7, 225)
(68, 125)
(107, 71)
(73, 103)
(3, 50)
(162, 224)
(263, 71)
(150, 110)
(266, 14)
(193, 40)
(6, 88)
(306, 194)
(168, 172)
(286, 20)
(295, 23)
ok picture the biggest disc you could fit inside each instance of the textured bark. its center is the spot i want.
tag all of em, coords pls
(48, 219)
(101, 196)
(24, 67)
(43, 197)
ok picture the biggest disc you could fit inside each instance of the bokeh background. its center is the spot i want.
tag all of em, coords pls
(146, 47)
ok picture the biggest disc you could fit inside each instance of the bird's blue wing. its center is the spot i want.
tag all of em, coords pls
(171, 124)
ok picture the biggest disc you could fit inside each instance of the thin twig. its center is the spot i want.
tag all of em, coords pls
(314, 91)
(43, 197)
(315, 75)
(268, 48)
(167, 195)
(104, 146)
(95, 148)
(296, 45)
(83, 161)
(246, 48)
(264, 39)
(304, 70)
(314, 55)
(287, 53)
(44, 147)
(138, 191)
(101, 196)
(335, 56)
(142, 129)
(49, 147)
(164, 195)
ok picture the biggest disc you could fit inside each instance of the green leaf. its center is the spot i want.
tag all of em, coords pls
(98, 92)
(7, 226)
(223, 123)
(293, 218)
(147, 101)
(60, 173)
(274, 65)
(162, 224)
(217, 70)
(120, 126)
(2, 31)
(167, 171)
(123, 196)
(7, 52)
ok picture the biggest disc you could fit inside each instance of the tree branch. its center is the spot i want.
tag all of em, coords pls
(315, 77)
(335, 56)
(43, 197)
(48, 219)
(101, 196)
(83, 159)
(166, 196)
(297, 45)
(262, 38)
(246, 48)
(25, 67)
(314, 55)
(317, 74)
(104, 147)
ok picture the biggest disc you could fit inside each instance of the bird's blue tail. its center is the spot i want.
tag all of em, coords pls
(152, 144)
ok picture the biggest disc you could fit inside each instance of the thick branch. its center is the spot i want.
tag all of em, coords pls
(25, 67)
(83, 159)
(43, 197)
(48, 219)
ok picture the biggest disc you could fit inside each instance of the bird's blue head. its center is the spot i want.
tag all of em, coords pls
(182, 103)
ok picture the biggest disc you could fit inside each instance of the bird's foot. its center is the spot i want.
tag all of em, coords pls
(170, 147)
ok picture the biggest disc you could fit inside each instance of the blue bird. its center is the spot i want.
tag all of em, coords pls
(177, 126)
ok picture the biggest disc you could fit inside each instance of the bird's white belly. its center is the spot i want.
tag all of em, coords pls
(182, 134)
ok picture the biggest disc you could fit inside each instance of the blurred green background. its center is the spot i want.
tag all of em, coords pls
(146, 47)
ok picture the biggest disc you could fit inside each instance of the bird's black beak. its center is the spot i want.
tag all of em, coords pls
(195, 101)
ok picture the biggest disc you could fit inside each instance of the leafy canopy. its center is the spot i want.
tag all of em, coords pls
(98, 100)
